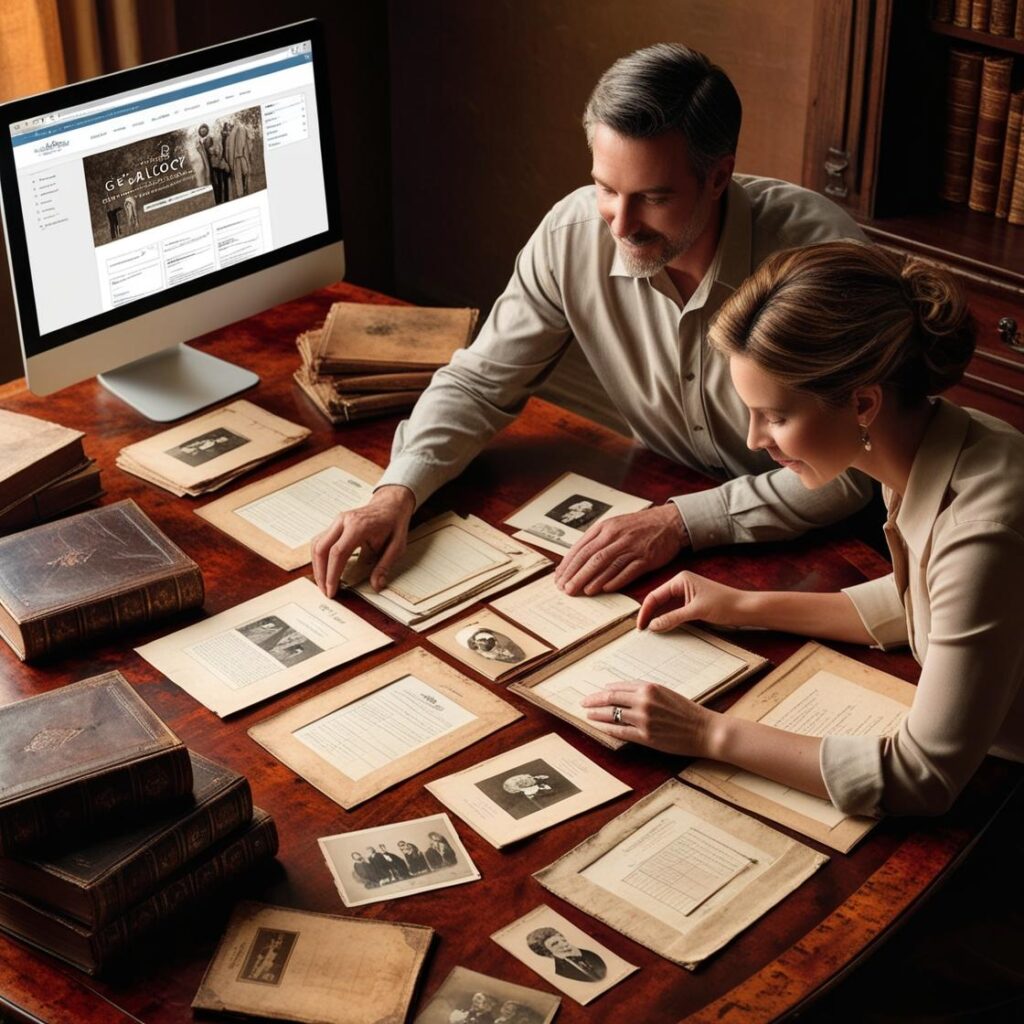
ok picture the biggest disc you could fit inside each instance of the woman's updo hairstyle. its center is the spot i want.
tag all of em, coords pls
(830, 318)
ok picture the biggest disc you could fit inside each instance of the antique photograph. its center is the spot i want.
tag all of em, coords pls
(489, 644)
(396, 860)
(467, 997)
(578, 511)
(527, 788)
(268, 956)
(205, 447)
(285, 643)
(562, 954)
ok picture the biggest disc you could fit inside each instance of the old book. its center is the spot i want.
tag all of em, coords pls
(963, 88)
(1010, 150)
(101, 878)
(278, 516)
(962, 13)
(79, 487)
(988, 147)
(296, 965)
(343, 408)
(399, 380)
(344, 741)
(369, 338)
(980, 10)
(210, 451)
(1000, 19)
(80, 755)
(1018, 22)
(34, 453)
(93, 949)
(680, 873)
(94, 573)
(942, 10)
(816, 692)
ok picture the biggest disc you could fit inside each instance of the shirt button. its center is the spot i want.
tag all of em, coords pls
(698, 427)
(689, 376)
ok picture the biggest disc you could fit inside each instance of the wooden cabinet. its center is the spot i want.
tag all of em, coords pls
(874, 144)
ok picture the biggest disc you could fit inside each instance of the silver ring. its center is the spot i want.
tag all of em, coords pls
(617, 715)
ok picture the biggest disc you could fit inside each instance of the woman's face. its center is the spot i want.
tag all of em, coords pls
(814, 440)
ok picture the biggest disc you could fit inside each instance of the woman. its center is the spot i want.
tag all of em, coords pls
(834, 349)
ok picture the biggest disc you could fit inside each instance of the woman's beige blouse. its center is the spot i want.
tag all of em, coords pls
(956, 594)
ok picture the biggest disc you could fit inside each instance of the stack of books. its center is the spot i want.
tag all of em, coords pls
(156, 828)
(368, 359)
(44, 471)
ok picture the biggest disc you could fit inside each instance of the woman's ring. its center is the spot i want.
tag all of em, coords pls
(617, 715)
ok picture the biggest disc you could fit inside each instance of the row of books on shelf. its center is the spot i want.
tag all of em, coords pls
(996, 17)
(983, 162)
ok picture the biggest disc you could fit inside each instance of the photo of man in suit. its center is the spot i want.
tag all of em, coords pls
(570, 961)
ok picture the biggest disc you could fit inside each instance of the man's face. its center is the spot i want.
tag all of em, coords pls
(650, 198)
(558, 945)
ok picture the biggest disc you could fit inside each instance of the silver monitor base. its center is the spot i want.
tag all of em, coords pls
(176, 382)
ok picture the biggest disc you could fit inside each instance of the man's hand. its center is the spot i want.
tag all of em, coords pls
(378, 529)
(615, 551)
(694, 597)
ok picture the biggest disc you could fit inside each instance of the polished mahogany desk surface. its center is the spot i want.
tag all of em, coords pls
(774, 967)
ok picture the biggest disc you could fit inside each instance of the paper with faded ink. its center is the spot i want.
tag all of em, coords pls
(559, 619)
(563, 955)
(383, 726)
(559, 516)
(263, 647)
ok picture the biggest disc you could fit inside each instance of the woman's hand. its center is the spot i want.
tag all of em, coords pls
(696, 598)
(654, 716)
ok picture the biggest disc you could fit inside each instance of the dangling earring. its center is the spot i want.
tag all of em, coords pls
(865, 438)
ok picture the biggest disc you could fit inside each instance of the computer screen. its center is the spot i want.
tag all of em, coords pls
(133, 202)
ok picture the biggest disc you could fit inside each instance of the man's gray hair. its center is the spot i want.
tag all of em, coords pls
(669, 87)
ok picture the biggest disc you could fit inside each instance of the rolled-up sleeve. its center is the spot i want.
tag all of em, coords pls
(880, 607)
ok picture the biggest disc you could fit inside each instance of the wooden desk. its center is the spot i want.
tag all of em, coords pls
(774, 967)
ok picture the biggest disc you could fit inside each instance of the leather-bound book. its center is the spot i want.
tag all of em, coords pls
(1016, 214)
(942, 10)
(1018, 22)
(92, 949)
(34, 453)
(988, 146)
(980, 11)
(1010, 150)
(962, 13)
(77, 488)
(963, 87)
(94, 573)
(78, 757)
(369, 338)
(102, 878)
(341, 408)
(1000, 19)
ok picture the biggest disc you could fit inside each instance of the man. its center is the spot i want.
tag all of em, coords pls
(491, 644)
(570, 961)
(633, 267)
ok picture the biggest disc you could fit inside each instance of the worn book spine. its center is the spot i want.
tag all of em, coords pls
(377, 382)
(62, 496)
(980, 11)
(74, 626)
(92, 949)
(1010, 149)
(1016, 214)
(82, 805)
(962, 13)
(1000, 19)
(988, 146)
(942, 10)
(962, 92)
(1018, 21)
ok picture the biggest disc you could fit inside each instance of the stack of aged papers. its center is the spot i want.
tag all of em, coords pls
(283, 964)
(210, 451)
(368, 359)
(449, 562)
(816, 692)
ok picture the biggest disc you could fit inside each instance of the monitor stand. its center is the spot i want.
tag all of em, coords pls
(176, 382)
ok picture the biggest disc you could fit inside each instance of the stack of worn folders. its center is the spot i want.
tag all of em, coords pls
(44, 471)
(368, 359)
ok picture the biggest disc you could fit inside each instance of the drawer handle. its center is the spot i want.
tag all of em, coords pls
(1009, 334)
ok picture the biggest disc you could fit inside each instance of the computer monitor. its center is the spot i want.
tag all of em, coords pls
(152, 205)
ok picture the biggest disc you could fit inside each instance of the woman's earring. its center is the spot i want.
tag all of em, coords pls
(865, 438)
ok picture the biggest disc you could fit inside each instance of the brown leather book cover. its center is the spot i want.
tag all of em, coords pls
(1010, 149)
(368, 338)
(962, 13)
(980, 11)
(93, 573)
(988, 147)
(34, 453)
(102, 878)
(963, 88)
(1000, 19)
(92, 949)
(401, 380)
(339, 408)
(77, 488)
(1018, 22)
(1016, 214)
(78, 756)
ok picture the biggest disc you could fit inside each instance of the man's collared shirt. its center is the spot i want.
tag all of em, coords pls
(649, 351)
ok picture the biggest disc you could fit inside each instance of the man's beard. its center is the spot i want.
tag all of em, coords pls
(659, 250)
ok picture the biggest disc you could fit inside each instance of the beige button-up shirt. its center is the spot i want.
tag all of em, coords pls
(957, 544)
(649, 351)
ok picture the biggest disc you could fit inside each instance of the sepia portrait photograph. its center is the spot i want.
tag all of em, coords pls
(283, 642)
(467, 997)
(489, 644)
(399, 859)
(562, 954)
(201, 449)
(527, 788)
(267, 956)
(578, 511)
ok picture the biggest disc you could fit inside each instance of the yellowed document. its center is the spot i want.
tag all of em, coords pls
(263, 647)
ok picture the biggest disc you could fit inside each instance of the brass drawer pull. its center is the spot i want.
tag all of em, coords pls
(1009, 334)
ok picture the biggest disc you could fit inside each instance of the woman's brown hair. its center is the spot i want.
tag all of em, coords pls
(830, 318)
